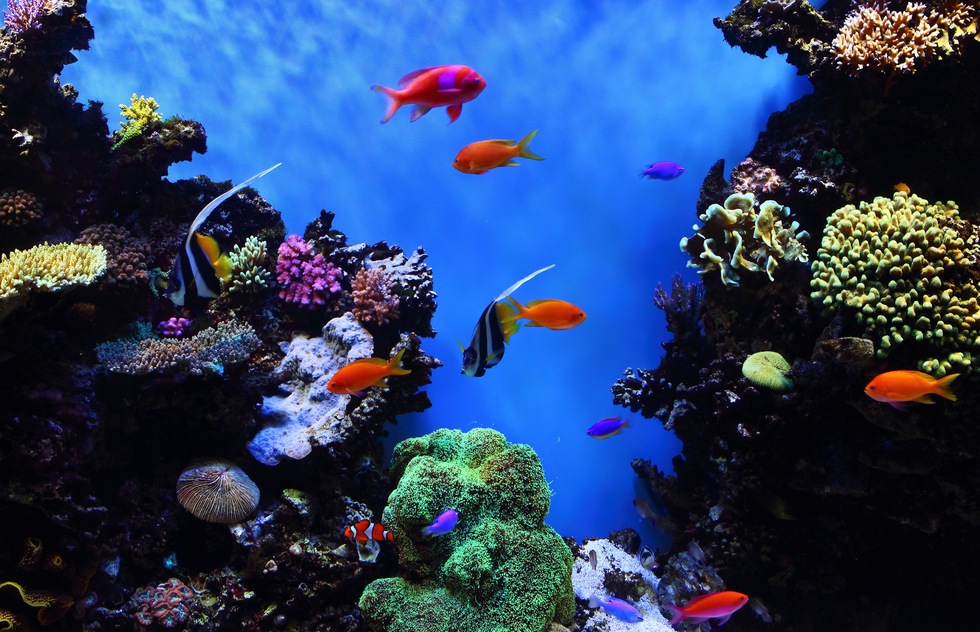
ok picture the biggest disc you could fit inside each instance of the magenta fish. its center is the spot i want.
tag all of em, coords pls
(606, 428)
(443, 524)
(663, 171)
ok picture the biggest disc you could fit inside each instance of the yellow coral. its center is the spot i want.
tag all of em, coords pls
(141, 112)
(48, 268)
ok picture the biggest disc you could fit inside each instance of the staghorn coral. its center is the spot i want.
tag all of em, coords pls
(305, 278)
(248, 272)
(875, 39)
(500, 568)
(735, 236)
(140, 114)
(126, 255)
(47, 268)
(18, 208)
(904, 268)
(206, 352)
(375, 300)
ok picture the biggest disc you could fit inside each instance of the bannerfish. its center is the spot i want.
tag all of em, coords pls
(593, 559)
(617, 608)
(199, 266)
(718, 605)
(647, 558)
(360, 374)
(443, 524)
(897, 388)
(482, 156)
(550, 312)
(436, 87)
(662, 171)
(486, 347)
(606, 428)
(366, 530)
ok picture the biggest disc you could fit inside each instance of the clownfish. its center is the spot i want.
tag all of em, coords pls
(436, 87)
(482, 156)
(897, 388)
(366, 530)
(550, 312)
(199, 266)
(360, 374)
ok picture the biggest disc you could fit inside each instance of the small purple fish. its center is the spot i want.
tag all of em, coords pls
(617, 608)
(442, 525)
(606, 428)
(663, 171)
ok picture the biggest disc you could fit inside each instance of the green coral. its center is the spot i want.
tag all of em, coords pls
(139, 114)
(248, 272)
(906, 270)
(737, 237)
(501, 568)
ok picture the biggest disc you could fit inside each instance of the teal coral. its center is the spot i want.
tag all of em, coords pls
(737, 237)
(248, 272)
(906, 270)
(501, 568)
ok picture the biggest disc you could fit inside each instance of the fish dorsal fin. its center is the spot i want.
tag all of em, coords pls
(213, 204)
(415, 73)
(377, 361)
(514, 287)
(540, 301)
(499, 141)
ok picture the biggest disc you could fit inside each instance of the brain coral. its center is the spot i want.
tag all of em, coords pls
(501, 568)
(906, 270)
(735, 236)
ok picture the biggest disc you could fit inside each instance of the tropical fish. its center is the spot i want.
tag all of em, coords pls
(436, 87)
(694, 549)
(647, 558)
(366, 530)
(718, 605)
(482, 156)
(486, 347)
(593, 559)
(199, 265)
(902, 188)
(662, 171)
(760, 610)
(360, 374)
(617, 608)
(443, 524)
(900, 387)
(550, 312)
(658, 519)
(606, 428)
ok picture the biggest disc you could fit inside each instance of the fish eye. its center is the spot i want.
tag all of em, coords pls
(871, 387)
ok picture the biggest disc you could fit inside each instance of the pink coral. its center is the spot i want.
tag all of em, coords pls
(305, 278)
(173, 327)
(374, 298)
(165, 605)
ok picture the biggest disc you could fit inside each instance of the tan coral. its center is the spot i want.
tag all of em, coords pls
(374, 297)
(18, 208)
(49, 268)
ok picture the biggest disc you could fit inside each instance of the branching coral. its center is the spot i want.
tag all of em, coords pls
(208, 351)
(248, 272)
(375, 300)
(47, 268)
(305, 278)
(23, 15)
(18, 208)
(874, 39)
(735, 236)
(905, 269)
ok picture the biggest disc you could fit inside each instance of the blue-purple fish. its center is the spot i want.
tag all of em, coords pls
(606, 428)
(663, 171)
(617, 608)
(443, 524)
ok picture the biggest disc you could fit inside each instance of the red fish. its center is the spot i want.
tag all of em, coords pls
(896, 388)
(550, 312)
(366, 530)
(436, 87)
(360, 374)
(718, 605)
(482, 156)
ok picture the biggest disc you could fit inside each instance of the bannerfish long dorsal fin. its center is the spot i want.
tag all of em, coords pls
(514, 287)
(213, 204)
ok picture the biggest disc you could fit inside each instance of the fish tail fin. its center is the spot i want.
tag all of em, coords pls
(677, 614)
(517, 311)
(524, 151)
(593, 602)
(394, 101)
(394, 365)
(943, 389)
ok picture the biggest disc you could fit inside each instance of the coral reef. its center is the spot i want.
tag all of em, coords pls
(374, 298)
(18, 208)
(305, 278)
(500, 568)
(248, 272)
(126, 255)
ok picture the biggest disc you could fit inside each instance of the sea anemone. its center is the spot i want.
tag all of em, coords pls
(217, 490)
(768, 369)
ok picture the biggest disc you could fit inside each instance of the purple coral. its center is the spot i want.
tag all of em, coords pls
(165, 604)
(23, 15)
(305, 278)
(173, 327)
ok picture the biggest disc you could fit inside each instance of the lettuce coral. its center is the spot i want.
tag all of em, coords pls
(501, 568)
(905, 270)
(736, 236)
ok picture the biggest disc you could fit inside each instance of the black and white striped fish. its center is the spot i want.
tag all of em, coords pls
(486, 347)
(199, 265)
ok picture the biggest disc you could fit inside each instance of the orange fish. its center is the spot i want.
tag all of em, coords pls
(360, 374)
(899, 387)
(482, 156)
(436, 87)
(903, 188)
(719, 605)
(550, 312)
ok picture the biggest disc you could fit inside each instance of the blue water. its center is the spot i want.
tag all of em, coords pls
(613, 86)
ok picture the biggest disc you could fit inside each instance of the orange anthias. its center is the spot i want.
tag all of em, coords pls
(436, 87)
(360, 374)
(482, 156)
(550, 312)
(899, 387)
(719, 605)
